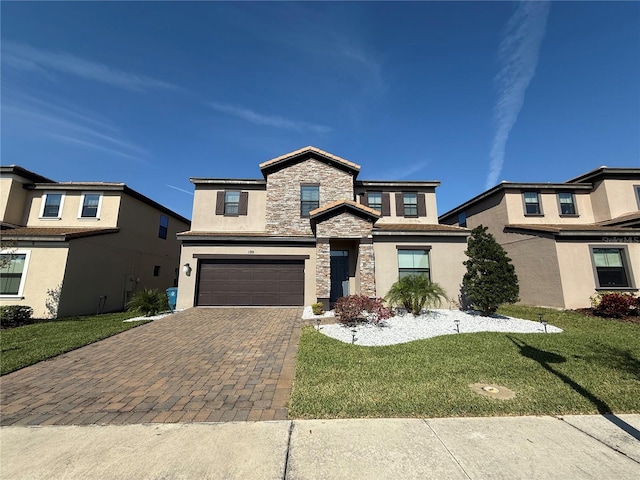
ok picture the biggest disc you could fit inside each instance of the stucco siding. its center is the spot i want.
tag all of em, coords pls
(45, 270)
(446, 257)
(12, 200)
(204, 211)
(108, 212)
(536, 262)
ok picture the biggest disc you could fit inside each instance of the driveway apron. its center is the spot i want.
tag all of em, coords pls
(199, 365)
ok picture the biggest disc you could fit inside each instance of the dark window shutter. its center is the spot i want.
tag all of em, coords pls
(220, 203)
(244, 202)
(422, 205)
(386, 208)
(399, 205)
(365, 199)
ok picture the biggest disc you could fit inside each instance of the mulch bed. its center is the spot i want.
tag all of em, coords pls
(632, 318)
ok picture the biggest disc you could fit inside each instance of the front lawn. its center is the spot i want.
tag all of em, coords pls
(23, 346)
(592, 367)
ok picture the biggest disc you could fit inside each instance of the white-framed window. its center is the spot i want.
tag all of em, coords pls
(90, 204)
(13, 272)
(413, 262)
(611, 267)
(52, 203)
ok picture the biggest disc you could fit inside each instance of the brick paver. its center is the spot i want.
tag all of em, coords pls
(199, 365)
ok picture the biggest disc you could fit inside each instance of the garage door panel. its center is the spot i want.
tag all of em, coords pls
(251, 282)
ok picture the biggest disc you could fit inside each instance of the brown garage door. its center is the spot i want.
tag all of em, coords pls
(250, 282)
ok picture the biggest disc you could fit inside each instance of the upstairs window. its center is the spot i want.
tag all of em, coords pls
(12, 273)
(413, 262)
(51, 205)
(637, 189)
(309, 199)
(410, 201)
(231, 203)
(532, 203)
(374, 200)
(90, 206)
(164, 227)
(462, 219)
(567, 203)
(611, 271)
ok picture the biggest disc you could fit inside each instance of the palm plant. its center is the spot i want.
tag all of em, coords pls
(415, 292)
(149, 302)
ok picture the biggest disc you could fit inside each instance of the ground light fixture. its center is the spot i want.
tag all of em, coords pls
(457, 322)
(353, 335)
(318, 321)
(544, 324)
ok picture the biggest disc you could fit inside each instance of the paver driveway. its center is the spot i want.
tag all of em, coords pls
(199, 365)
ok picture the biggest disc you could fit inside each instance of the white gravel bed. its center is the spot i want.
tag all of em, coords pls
(153, 317)
(407, 328)
(308, 314)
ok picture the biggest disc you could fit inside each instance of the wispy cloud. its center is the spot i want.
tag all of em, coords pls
(400, 172)
(268, 120)
(33, 117)
(518, 57)
(24, 57)
(179, 189)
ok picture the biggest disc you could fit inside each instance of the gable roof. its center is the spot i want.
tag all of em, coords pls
(296, 156)
(344, 206)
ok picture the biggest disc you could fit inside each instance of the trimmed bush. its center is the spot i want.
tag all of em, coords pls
(149, 302)
(317, 308)
(15, 315)
(615, 305)
(360, 309)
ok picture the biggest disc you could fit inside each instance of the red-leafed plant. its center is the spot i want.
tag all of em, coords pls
(616, 305)
(359, 309)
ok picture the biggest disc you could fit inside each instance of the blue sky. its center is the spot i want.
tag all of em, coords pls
(470, 94)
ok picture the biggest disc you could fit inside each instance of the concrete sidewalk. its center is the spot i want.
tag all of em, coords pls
(571, 447)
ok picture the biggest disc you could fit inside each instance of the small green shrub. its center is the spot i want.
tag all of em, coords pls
(317, 308)
(360, 309)
(15, 315)
(149, 302)
(415, 292)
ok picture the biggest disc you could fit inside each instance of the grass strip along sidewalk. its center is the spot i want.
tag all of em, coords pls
(592, 367)
(24, 346)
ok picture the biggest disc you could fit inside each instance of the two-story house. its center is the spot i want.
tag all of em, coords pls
(87, 246)
(567, 240)
(310, 231)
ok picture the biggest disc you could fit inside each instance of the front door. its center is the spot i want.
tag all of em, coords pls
(339, 274)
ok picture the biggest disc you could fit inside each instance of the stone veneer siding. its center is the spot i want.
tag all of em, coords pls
(283, 194)
(323, 271)
(345, 225)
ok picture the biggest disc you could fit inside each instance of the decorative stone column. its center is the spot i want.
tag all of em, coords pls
(366, 264)
(323, 272)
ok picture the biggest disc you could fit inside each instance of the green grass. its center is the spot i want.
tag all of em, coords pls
(592, 367)
(24, 346)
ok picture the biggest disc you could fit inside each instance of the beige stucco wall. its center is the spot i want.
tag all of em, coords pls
(45, 270)
(430, 201)
(550, 209)
(187, 284)
(12, 200)
(108, 213)
(621, 196)
(578, 274)
(536, 263)
(204, 218)
(446, 257)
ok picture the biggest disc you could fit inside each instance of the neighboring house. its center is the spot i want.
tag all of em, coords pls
(310, 231)
(96, 244)
(567, 240)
